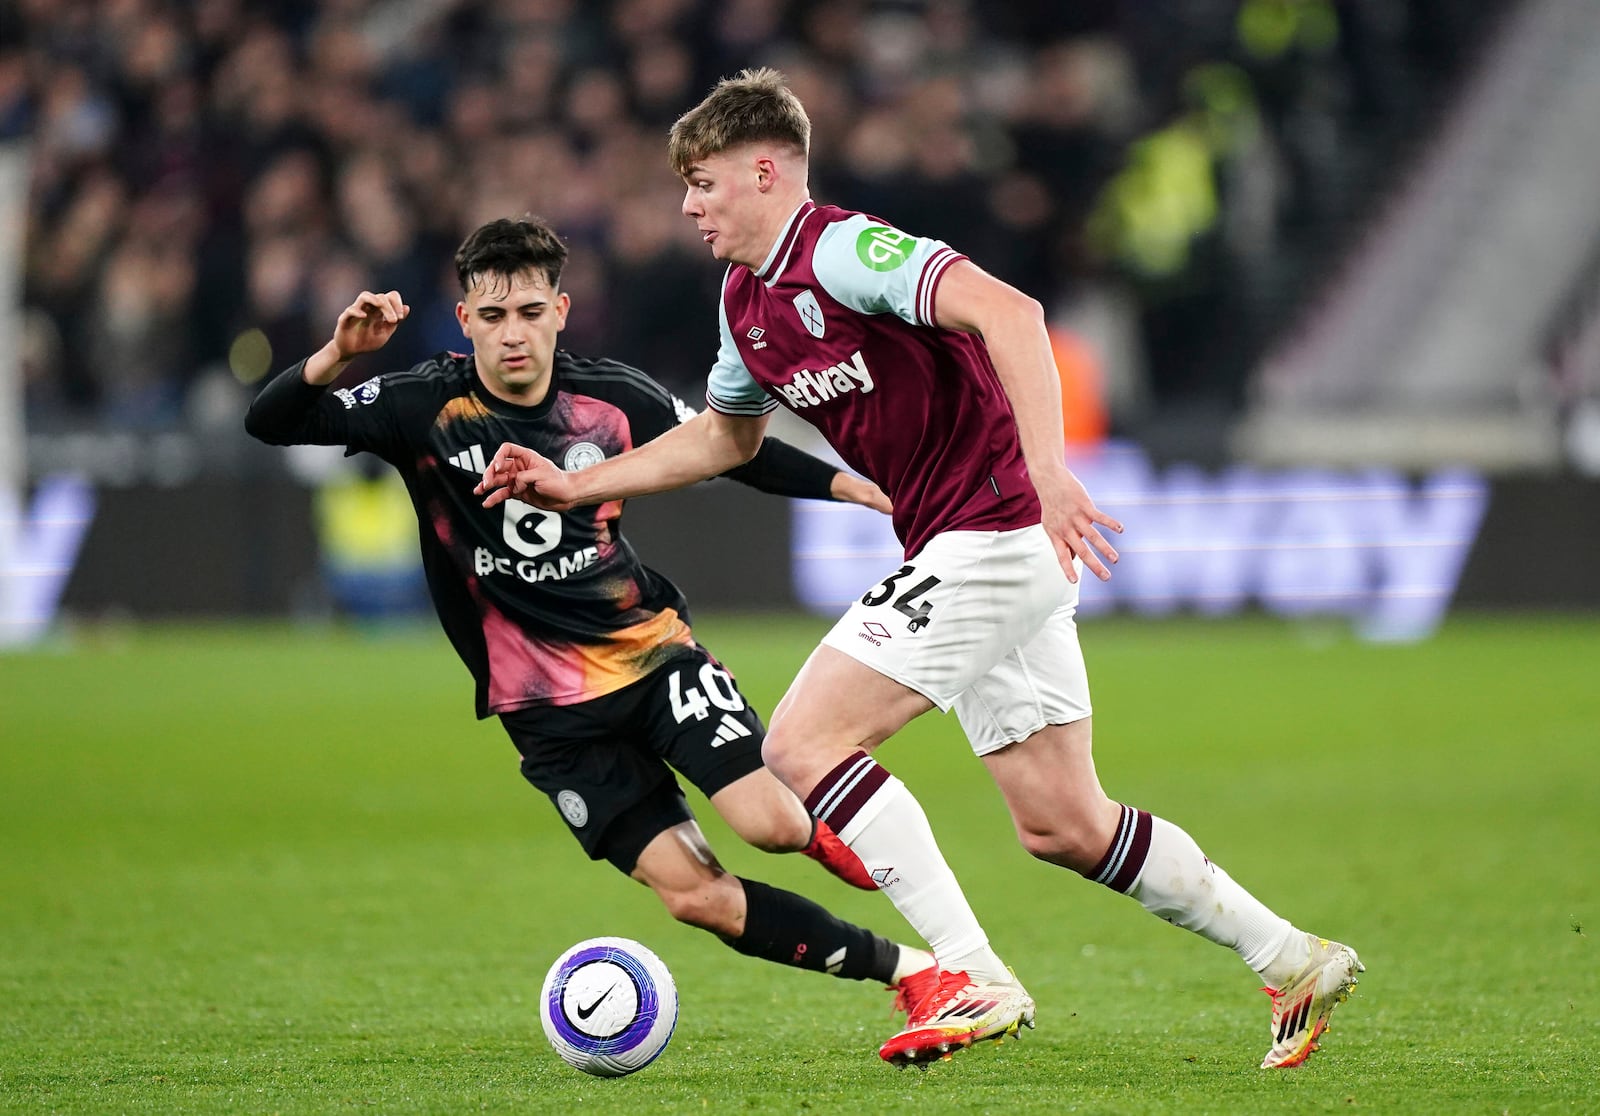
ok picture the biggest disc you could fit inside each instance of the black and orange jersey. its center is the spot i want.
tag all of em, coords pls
(545, 608)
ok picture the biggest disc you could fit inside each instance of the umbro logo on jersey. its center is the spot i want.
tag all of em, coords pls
(756, 333)
(470, 459)
(730, 730)
(809, 388)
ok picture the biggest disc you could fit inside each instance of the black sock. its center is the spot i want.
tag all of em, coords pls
(791, 930)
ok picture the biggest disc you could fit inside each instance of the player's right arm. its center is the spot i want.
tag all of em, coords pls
(289, 410)
(706, 445)
(364, 326)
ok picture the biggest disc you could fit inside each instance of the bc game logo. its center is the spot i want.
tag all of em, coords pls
(884, 249)
(531, 531)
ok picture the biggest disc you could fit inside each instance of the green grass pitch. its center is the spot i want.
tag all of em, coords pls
(276, 870)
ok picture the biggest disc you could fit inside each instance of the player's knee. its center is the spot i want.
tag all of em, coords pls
(777, 754)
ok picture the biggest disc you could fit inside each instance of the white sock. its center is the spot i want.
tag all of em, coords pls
(1290, 960)
(911, 961)
(982, 963)
(874, 814)
(1160, 865)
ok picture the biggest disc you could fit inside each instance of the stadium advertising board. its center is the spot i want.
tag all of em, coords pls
(1389, 552)
(1382, 549)
(39, 545)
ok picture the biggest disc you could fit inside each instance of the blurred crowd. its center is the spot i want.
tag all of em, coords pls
(213, 180)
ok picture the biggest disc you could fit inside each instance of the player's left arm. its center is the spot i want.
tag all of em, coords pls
(1013, 329)
(706, 445)
(784, 470)
(780, 469)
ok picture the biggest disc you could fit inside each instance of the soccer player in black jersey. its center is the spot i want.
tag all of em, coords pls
(583, 652)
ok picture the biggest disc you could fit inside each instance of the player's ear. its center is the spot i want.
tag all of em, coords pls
(766, 172)
(461, 316)
(563, 304)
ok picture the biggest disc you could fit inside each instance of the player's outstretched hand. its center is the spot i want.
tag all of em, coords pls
(1071, 519)
(854, 490)
(517, 471)
(368, 323)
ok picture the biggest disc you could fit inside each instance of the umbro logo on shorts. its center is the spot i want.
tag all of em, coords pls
(874, 632)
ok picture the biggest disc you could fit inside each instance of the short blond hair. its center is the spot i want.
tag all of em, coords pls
(754, 107)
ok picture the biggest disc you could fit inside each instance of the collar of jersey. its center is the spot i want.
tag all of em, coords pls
(778, 258)
(516, 410)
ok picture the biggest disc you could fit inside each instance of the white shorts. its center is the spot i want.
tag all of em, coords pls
(981, 621)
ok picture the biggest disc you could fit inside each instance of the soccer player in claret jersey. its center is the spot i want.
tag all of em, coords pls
(935, 380)
(584, 652)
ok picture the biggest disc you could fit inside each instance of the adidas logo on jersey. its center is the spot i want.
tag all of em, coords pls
(809, 388)
(730, 730)
(470, 459)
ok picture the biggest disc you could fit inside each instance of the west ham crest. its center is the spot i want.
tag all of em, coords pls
(805, 303)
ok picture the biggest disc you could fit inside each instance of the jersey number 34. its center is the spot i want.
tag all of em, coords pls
(919, 614)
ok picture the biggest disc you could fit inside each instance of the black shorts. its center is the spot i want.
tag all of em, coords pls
(605, 763)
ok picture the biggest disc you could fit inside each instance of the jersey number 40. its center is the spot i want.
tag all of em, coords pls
(690, 702)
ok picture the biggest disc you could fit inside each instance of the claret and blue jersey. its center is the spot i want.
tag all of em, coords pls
(838, 325)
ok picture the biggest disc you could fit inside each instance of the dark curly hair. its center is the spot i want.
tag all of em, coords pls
(503, 248)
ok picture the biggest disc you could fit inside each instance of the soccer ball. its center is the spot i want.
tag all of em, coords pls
(608, 1006)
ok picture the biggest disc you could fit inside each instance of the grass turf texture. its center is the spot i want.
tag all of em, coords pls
(263, 870)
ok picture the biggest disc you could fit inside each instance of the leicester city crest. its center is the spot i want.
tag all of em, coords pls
(583, 455)
(573, 808)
